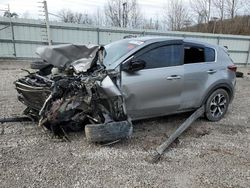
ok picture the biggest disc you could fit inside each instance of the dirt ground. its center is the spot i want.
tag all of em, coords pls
(207, 154)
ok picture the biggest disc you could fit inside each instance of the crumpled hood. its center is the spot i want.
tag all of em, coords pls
(63, 55)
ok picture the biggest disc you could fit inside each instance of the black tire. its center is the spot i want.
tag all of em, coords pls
(108, 132)
(239, 74)
(217, 105)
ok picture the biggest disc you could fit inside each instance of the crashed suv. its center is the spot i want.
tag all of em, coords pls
(103, 88)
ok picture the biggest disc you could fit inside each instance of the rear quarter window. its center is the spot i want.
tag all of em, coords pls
(209, 55)
(197, 54)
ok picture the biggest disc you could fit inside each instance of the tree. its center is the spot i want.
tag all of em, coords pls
(98, 18)
(123, 13)
(10, 15)
(203, 10)
(247, 7)
(157, 23)
(66, 16)
(232, 7)
(151, 23)
(220, 6)
(136, 16)
(176, 15)
(69, 16)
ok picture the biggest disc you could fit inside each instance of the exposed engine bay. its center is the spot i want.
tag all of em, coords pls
(72, 90)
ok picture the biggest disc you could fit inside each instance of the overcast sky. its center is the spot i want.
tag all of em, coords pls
(149, 8)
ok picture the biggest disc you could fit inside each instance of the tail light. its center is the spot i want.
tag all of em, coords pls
(232, 68)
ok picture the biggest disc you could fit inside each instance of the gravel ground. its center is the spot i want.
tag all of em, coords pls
(207, 154)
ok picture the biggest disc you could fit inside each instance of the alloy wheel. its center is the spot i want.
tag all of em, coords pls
(218, 105)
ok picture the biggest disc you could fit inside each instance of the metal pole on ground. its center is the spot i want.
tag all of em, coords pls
(184, 126)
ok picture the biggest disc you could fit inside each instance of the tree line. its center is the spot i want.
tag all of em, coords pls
(177, 15)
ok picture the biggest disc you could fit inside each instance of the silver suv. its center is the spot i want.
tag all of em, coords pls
(100, 88)
(162, 76)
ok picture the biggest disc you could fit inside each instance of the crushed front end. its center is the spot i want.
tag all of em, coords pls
(74, 92)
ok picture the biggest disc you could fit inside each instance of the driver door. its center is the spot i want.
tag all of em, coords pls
(156, 89)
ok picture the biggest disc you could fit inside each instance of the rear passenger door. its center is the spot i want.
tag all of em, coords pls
(156, 89)
(199, 70)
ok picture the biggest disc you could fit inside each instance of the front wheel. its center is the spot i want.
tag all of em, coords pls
(217, 105)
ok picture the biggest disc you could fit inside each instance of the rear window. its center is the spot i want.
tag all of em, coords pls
(194, 54)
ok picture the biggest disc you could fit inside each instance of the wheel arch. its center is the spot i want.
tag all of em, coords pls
(229, 89)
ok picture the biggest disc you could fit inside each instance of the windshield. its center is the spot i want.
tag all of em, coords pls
(116, 50)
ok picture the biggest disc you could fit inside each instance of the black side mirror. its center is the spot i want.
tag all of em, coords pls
(135, 65)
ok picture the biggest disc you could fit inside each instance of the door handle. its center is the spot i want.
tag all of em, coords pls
(174, 77)
(211, 71)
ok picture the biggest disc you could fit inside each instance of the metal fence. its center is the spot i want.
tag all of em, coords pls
(19, 38)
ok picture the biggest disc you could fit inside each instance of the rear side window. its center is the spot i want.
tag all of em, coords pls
(163, 56)
(194, 54)
(209, 55)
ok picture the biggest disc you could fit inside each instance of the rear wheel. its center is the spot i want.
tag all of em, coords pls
(217, 105)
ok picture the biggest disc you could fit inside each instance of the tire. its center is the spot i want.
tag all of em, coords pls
(239, 74)
(217, 105)
(108, 132)
(39, 65)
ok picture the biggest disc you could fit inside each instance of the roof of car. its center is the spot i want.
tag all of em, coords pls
(152, 39)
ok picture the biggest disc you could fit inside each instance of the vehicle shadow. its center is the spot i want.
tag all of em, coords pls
(150, 133)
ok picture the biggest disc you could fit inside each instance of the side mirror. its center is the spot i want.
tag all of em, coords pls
(135, 65)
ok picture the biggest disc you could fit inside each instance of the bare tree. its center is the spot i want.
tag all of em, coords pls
(220, 7)
(203, 10)
(69, 16)
(246, 7)
(176, 15)
(10, 14)
(87, 19)
(157, 23)
(232, 7)
(123, 13)
(148, 24)
(113, 12)
(78, 17)
(98, 18)
(136, 16)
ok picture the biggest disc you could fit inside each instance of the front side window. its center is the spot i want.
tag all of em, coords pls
(163, 56)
